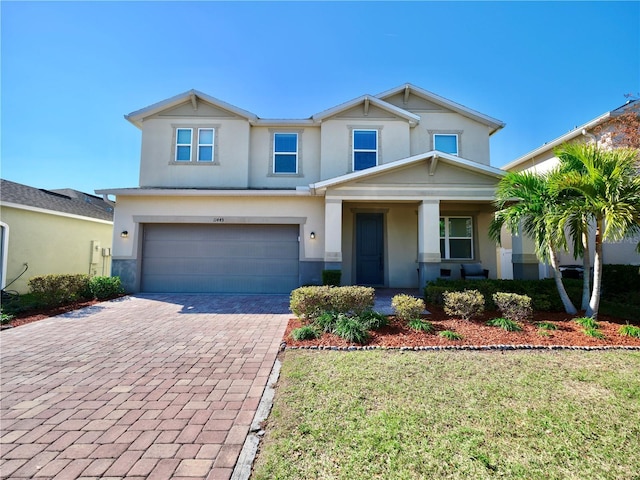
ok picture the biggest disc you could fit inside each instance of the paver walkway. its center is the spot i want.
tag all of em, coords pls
(152, 386)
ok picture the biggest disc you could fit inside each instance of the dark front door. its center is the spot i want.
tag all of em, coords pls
(369, 249)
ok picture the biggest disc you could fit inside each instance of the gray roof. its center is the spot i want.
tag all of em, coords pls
(64, 200)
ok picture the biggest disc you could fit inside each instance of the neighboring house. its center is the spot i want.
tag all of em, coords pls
(59, 231)
(388, 188)
(604, 131)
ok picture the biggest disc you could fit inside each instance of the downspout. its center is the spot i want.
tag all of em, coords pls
(590, 135)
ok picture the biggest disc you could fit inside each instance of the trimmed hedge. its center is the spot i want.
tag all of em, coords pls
(331, 277)
(311, 302)
(59, 289)
(543, 293)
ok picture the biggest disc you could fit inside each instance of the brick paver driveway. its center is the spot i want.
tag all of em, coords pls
(152, 386)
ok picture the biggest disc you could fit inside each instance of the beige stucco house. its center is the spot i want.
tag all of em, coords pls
(602, 131)
(388, 188)
(45, 232)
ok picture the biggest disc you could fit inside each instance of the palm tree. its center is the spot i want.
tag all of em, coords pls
(604, 187)
(524, 200)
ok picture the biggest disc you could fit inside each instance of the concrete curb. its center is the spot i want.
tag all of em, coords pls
(242, 470)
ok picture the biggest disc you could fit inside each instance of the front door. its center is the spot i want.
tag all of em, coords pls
(369, 249)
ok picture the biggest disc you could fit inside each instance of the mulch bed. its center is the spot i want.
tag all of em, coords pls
(477, 333)
(42, 313)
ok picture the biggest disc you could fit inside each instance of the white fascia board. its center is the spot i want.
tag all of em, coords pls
(284, 122)
(137, 116)
(54, 212)
(447, 158)
(412, 118)
(576, 132)
(444, 102)
(200, 192)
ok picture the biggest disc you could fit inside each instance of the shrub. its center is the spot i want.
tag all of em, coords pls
(505, 324)
(629, 331)
(450, 335)
(326, 322)
(5, 318)
(543, 293)
(351, 329)
(407, 307)
(307, 332)
(420, 325)
(513, 306)
(547, 326)
(586, 322)
(373, 320)
(464, 304)
(310, 302)
(60, 289)
(331, 277)
(105, 287)
(593, 332)
(617, 279)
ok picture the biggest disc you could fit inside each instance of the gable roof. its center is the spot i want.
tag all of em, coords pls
(387, 167)
(412, 118)
(193, 96)
(408, 88)
(571, 134)
(65, 200)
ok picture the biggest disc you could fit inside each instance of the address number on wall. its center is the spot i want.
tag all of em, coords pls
(218, 219)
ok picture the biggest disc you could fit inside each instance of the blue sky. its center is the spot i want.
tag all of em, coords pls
(71, 70)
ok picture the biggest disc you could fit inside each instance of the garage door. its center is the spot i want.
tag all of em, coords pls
(220, 258)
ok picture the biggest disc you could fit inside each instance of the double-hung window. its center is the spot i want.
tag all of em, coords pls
(365, 149)
(198, 140)
(205, 144)
(183, 144)
(456, 238)
(447, 143)
(285, 153)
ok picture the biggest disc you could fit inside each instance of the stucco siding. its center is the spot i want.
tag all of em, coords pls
(230, 168)
(261, 158)
(336, 143)
(53, 244)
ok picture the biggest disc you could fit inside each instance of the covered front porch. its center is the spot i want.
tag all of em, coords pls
(404, 244)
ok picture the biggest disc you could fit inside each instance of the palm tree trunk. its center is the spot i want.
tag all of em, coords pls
(566, 301)
(594, 304)
(586, 276)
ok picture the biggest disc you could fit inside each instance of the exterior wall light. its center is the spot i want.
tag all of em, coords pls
(312, 236)
(124, 234)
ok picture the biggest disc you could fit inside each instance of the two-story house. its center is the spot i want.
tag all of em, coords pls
(388, 188)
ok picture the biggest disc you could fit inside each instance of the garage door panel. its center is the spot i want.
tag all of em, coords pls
(220, 258)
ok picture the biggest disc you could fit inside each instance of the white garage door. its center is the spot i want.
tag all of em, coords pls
(220, 258)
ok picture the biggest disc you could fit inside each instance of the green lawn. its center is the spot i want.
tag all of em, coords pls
(466, 415)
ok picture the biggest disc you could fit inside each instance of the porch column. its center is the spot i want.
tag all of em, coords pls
(524, 259)
(333, 234)
(428, 241)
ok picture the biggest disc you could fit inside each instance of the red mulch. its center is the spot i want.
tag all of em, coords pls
(40, 314)
(476, 333)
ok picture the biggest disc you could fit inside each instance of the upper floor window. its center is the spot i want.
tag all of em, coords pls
(447, 143)
(205, 144)
(183, 144)
(285, 153)
(456, 238)
(365, 149)
(202, 144)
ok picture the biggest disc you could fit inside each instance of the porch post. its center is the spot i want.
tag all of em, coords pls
(333, 234)
(525, 262)
(428, 241)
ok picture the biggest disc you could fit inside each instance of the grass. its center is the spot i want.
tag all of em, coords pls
(505, 324)
(450, 335)
(454, 415)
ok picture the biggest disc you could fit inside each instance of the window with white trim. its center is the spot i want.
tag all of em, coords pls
(183, 144)
(456, 238)
(205, 144)
(365, 149)
(285, 153)
(199, 140)
(447, 143)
